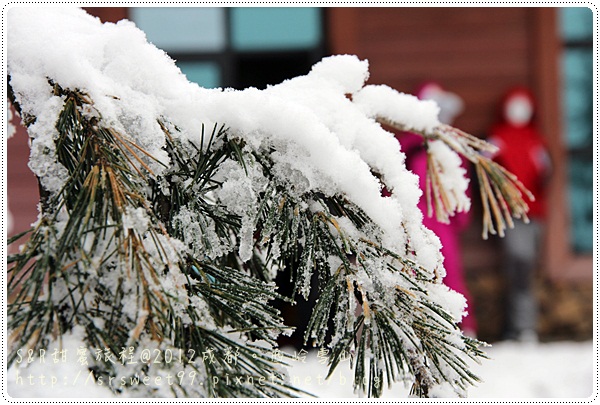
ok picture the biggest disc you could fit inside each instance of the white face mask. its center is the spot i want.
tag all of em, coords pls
(450, 104)
(518, 111)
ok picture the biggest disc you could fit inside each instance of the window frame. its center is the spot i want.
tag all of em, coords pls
(227, 58)
(560, 261)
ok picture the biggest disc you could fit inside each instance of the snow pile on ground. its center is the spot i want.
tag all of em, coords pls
(516, 370)
(553, 370)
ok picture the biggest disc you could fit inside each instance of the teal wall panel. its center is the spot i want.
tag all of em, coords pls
(576, 23)
(576, 30)
(268, 28)
(183, 29)
(206, 74)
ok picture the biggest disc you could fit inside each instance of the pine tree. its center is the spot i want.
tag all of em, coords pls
(172, 243)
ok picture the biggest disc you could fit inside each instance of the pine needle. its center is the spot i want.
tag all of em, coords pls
(503, 195)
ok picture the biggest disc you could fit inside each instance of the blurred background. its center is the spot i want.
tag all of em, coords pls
(476, 53)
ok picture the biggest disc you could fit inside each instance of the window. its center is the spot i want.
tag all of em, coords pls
(236, 47)
(576, 32)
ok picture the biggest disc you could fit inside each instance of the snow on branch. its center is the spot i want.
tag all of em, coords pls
(502, 194)
(172, 207)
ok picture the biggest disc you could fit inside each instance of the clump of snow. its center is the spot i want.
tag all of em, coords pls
(43, 133)
(454, 303)
(239, 194)
(198, 233)
(452, 175)
(404, 109)
(347, 71)
(136, 219)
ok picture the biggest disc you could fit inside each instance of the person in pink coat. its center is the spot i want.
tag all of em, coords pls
(449, 234)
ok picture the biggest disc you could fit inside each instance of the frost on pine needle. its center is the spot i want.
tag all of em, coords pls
(168, 209)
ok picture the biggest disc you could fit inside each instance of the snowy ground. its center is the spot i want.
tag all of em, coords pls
(517, 370)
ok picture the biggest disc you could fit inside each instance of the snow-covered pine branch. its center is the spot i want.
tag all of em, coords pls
(169, 208)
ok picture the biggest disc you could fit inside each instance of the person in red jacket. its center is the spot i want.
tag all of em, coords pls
(522, 151)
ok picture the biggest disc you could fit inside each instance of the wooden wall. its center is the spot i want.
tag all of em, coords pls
(21, 184)
(475, 52)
